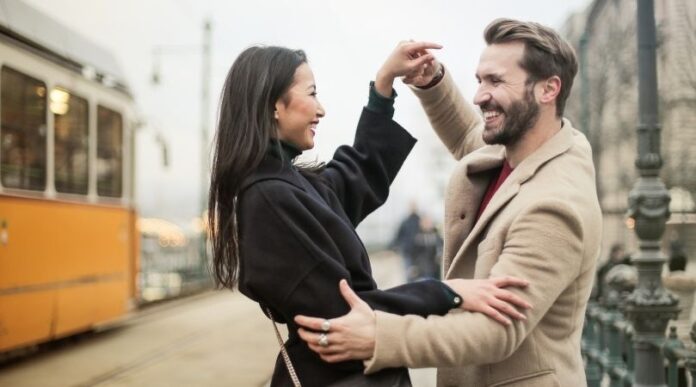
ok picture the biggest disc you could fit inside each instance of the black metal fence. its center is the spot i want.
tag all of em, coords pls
(608, 344)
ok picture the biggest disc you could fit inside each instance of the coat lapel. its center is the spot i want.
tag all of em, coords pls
(505, 193)
(555, 146)
(468, 187)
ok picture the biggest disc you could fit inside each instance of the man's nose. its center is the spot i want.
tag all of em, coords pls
(482, 96)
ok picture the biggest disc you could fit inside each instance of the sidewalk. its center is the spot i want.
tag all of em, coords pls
(214, 339)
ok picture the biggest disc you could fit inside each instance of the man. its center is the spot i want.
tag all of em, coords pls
(403, 241)
(427, 250)
(617, 256)
(521, 201)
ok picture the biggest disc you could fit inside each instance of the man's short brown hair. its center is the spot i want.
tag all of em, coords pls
(545, 53)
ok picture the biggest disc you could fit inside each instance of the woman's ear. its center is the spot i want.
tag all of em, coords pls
(279, 109)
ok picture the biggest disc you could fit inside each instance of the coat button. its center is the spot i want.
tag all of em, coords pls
(462, 216)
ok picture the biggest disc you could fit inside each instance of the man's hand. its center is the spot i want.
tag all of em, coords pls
(351, 336)
(423, 77)
(410, 60)
(489, 297)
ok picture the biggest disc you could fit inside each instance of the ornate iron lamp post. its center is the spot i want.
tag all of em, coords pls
(650, 306)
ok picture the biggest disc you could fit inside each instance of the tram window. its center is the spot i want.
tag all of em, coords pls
(71, 141)
(109, 152)
(22, 131)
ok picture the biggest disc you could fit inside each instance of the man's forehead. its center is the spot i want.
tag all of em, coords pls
(500, 58)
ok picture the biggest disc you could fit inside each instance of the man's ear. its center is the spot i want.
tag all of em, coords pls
(550, 89)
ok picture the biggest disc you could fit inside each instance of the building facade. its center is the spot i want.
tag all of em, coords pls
(604, 104)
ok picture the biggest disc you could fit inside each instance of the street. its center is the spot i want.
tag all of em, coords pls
(217, 338)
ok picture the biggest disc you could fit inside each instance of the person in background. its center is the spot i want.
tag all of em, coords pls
(683, 284)
(404, 238)
(617, 256)
(427, 251)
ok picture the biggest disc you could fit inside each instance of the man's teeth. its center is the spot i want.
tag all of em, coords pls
(490, 114)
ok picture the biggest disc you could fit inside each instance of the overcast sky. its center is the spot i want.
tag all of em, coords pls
(346, 42)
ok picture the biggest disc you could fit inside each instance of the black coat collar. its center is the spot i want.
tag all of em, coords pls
(272, 168)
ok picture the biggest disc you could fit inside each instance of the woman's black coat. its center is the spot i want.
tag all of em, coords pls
(297, 240)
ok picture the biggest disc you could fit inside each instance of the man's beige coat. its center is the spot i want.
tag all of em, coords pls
(543, 225)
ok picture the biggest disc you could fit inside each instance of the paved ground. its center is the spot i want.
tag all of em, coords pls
(212, 339)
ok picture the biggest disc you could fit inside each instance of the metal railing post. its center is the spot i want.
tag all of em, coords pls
(650, 306)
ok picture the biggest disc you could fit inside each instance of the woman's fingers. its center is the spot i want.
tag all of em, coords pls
(512, 298)
(506, 281)
(507, 309)
(421, 61)
(421, 46)
(495, 315)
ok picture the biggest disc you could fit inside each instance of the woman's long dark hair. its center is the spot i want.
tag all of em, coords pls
(259, 77)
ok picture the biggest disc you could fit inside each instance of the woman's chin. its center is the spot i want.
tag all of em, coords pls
(308, 145)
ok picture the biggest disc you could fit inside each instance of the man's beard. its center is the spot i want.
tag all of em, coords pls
(520, 116)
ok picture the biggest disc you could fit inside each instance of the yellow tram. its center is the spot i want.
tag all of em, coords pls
(68, 237)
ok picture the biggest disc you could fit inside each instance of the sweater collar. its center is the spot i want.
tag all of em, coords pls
(281, 150)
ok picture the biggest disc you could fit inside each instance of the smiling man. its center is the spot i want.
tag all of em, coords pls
(522, 201)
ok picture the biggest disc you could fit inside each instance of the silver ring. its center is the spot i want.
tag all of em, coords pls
(323, 340)
(326, 326)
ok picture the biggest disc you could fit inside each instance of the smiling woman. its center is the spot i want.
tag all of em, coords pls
(286, 234)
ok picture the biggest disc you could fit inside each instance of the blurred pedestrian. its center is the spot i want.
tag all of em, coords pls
(404, 238)
(427, 251)
(683, 285)
(617, 256)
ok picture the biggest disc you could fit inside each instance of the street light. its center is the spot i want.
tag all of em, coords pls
(205, 52)
(650, 306)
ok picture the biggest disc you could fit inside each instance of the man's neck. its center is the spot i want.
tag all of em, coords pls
(546, 127)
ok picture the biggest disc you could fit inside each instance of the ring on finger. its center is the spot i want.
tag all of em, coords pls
(326, 326)
(323, 340)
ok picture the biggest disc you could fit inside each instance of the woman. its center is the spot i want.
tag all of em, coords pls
(284, 233)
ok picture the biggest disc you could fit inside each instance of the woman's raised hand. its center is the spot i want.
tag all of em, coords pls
(489, 296)
(410, 60)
